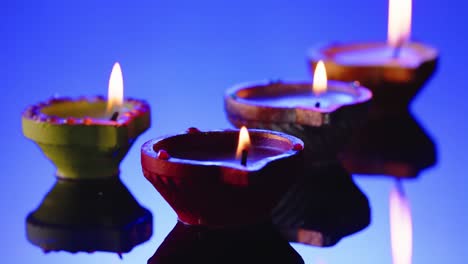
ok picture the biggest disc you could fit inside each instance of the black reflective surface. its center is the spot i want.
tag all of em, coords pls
(259, 243)
(395, 146)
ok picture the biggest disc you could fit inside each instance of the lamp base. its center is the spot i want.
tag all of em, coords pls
(88, 216)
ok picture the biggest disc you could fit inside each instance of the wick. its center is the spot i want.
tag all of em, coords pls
(245, 153)
(396, 52)
(114, 116)
(317, 104)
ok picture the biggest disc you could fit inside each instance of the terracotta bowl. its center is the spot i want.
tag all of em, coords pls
(190, 172)
(324, 131)
(259, 243)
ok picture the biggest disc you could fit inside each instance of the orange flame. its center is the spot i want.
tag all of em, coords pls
(399, 22)
(244, 142)
(319, 85)
(401, 228)
(115, 91)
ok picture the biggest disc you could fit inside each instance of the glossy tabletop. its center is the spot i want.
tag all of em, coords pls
(181, 56)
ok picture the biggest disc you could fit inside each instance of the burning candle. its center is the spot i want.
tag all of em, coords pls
(87, 137)
(322, 96)
(115, 92)
(242, 151)
(326, 109)
(394, 71)
(319, 96)
(200, 176)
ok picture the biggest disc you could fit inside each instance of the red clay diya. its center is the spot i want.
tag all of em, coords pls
(394, 71)
(86, 138)
(202, 180)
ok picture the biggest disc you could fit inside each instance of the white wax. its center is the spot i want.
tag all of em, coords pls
(306, 100)
(379, 55)
(224, 158)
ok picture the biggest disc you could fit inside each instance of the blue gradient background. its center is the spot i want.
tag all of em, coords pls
(181, 56)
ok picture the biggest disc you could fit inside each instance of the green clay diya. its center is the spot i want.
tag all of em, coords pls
(81, 137)
(88, 209)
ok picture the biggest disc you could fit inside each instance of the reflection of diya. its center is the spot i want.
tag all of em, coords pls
(397, 146)
(89, 215)
(201, 178)
(322, 208)
(259, 243)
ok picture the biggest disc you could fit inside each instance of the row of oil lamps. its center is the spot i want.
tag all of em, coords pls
(299, 135)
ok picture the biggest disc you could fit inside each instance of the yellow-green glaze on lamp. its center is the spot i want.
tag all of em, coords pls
(78, 136)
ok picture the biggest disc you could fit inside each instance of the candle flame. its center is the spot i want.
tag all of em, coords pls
(115, 91)
(401, 229)
(399, 22)
(319, 85)
(244, 142)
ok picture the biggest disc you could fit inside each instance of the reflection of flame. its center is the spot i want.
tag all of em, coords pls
(320, 79)
(244, 142)
(115, 92)
(320, 261)
(401, 229)
(399, 22)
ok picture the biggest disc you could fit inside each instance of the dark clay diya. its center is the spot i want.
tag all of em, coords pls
(393, 80)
